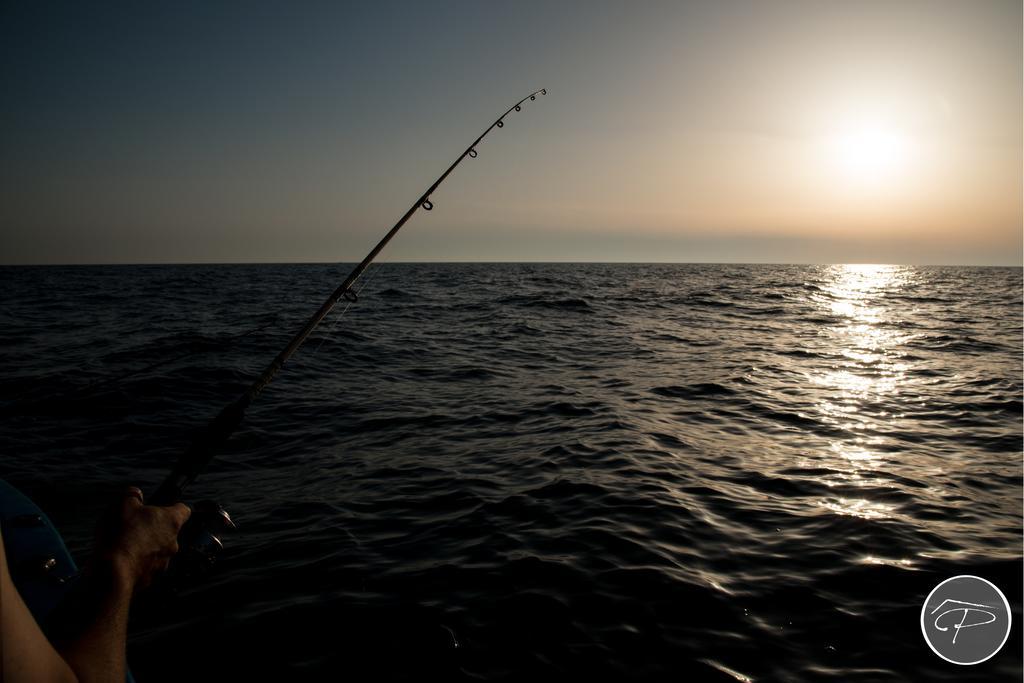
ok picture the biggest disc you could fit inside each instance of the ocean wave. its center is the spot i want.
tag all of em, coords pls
(628, 472)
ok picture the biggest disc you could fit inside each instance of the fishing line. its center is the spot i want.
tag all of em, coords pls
(339, 316)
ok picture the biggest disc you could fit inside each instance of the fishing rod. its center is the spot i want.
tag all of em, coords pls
(206, 443)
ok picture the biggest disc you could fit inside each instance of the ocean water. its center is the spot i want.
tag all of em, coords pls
(542, 472)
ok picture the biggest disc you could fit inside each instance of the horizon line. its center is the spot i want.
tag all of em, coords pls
(471, 262)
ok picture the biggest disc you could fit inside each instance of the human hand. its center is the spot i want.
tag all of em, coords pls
(135, 542)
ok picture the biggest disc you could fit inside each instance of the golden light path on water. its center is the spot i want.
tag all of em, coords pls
(867, 376)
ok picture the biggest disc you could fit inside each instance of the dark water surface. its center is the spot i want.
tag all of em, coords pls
(516, 472)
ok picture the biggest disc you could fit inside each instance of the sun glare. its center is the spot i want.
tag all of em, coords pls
(869, 153)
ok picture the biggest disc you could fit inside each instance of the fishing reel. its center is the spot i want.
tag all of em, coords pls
(199, 546)
(199, 542)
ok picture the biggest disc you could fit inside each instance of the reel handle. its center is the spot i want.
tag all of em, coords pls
(199, 541)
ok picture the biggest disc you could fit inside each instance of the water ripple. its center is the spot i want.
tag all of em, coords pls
(505, 472)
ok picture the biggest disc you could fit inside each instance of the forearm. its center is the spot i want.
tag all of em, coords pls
(26, 656)
(95, 627)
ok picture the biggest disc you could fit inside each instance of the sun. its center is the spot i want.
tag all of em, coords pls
(870, 152)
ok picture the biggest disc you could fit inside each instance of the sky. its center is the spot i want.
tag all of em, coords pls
(785, 132)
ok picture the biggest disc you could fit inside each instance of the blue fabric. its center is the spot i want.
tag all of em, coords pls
(31, 539)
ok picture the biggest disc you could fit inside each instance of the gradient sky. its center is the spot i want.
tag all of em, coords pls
(704, 131)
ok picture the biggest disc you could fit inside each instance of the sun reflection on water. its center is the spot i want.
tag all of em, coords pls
(859, 507)
(866, 373)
